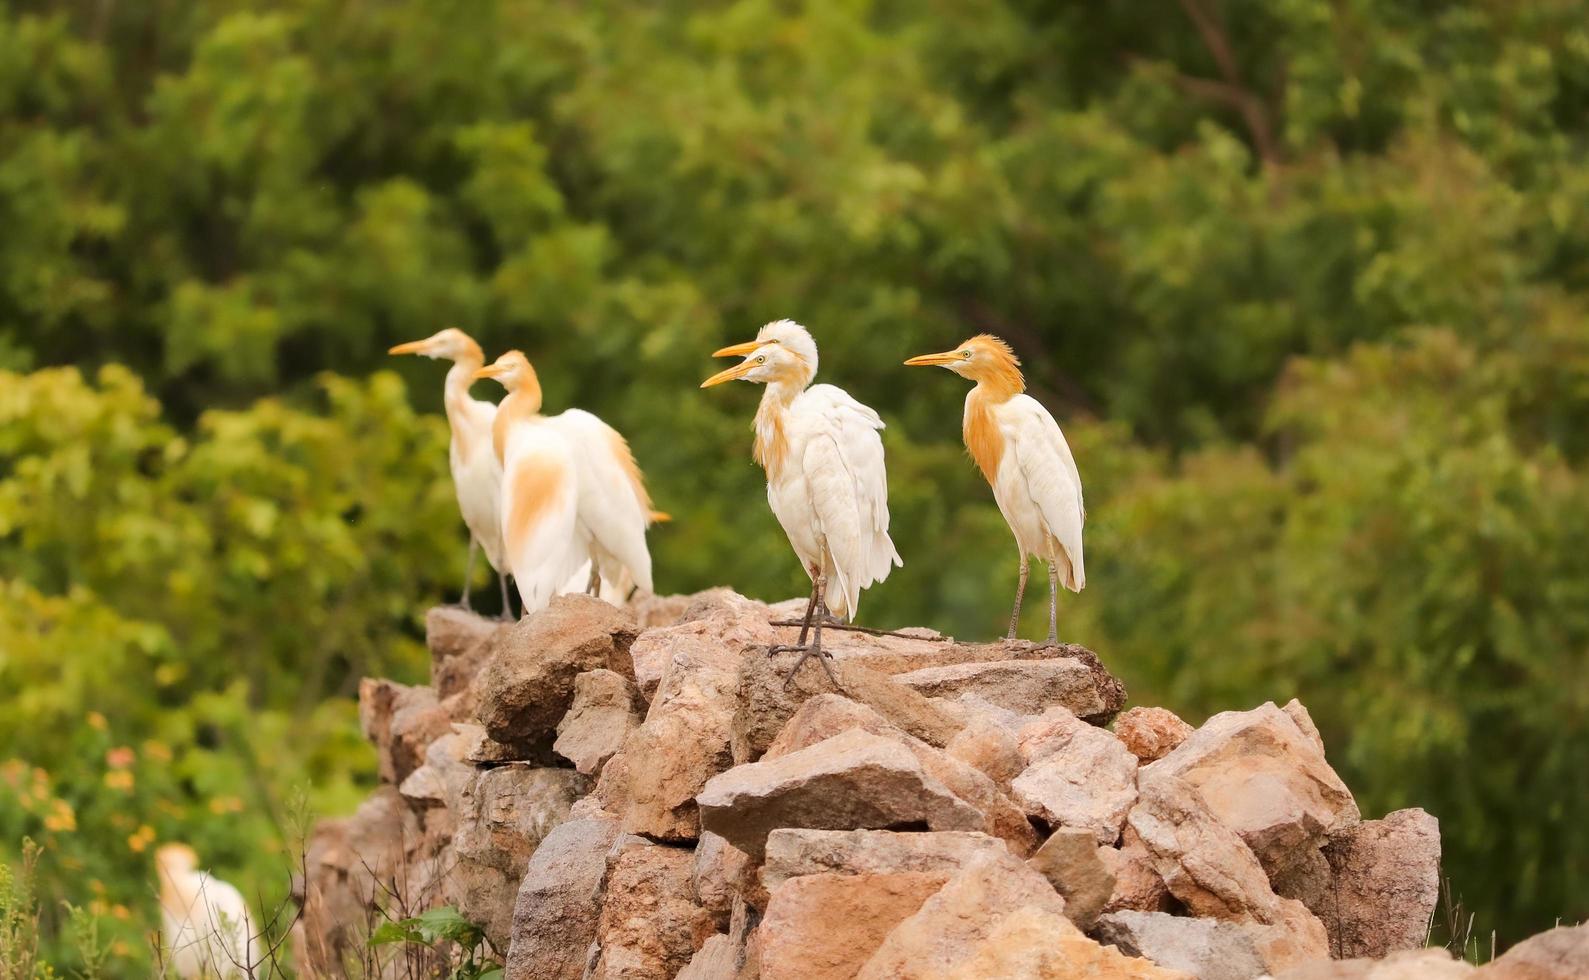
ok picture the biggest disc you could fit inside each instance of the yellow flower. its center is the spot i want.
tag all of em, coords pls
(121, 912)
(97, 721)
(140, 839)
(121, 757)
(119, 779)
(226, 804)
(61, 818)
(158, 751)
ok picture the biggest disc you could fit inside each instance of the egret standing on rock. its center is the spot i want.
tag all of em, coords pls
(476, 472)
(1020, 450)
(826, 481)
(206, 928)
(571, 492)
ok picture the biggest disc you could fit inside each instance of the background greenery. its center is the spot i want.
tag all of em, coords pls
(1306, 282)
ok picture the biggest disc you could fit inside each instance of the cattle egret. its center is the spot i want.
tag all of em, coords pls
(207, 928)
(476, 472)
(1020, 450)
(826, 481)
(571, 492)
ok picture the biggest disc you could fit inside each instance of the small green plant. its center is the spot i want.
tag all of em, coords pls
(447, 933)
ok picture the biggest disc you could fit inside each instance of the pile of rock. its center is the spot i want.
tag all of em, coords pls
(637, 794)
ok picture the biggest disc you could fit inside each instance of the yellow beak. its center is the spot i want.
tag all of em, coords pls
(738, 350)
(489, 371)
(737, 371)
(934, 360)
(412, 347)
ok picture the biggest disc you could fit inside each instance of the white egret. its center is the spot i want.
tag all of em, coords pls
(476, 471)
(1020, 450)
(826, 480)
(571, 493)
(207, 931)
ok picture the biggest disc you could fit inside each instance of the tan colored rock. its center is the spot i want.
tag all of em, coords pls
(823, 717)
(458, 646)
(606, 707)
(1138, 886)
(1037, 944)
(1304, 722)
(1069, 860)
(1266, 779)
(949, 928)
(528, 681)
(825, 926)
(400, 721)
(1079, 775)
(445, 776)
(1561, 953)
(718, 617)
(794, 853)
(1206, 948)
(558, 905)
(1024, 686)
(989, 747)
(1151, 734)
(1383, 885)
(722, 872)
(925, 649)
(650, 927)
(1420, 964)
(683, 741)
(717, 959)
(852, 780)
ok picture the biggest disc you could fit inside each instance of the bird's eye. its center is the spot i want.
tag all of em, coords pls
(761, 358)
(966, 355)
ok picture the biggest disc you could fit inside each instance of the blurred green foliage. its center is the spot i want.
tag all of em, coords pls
(1304, 280)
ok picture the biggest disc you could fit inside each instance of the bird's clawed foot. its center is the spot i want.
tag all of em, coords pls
(806, 653)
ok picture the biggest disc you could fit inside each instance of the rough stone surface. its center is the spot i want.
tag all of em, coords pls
(1383, 885)
(1037, 944)
(1069, 860)
(1206, 948)
(1420, 964)
(445, 776)
(990, 747)
(650, 926)
(852, 780)
(950, 926)
(606, 707)
(400, 721)
(1151, 734)
(721, 872)
(458, 646)
(528, 681)
(1079, 776)
(1266, 779)
(823, 717)
(719, 617)
(683, 741)
(825, 926)
(1026, 686)
(1555, 955)
(1304, 722)
(1138, 885)
(559, 902)
(717, 959)
(793, 853)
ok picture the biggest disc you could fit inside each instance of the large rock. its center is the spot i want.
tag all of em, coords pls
(852, 780)
(400, 721)
(722, 872)
(823, 717)
(444, 778)
(1080, 776)
(765, 705)
(951, 925)
(793, 853)
(717, 959)
(502, 816)
(457, 639)
(683, 741)
(1151, 734)
(1138, 886)
(990, 747)
(1419, 964)
(1038, 944)
(558, 904)
(528, 682)
(1070, 860)
(1206, 948)
(825, 926)
(1025, 686)
(606, 707)
(650, 927)
(1383, 884)
(1561, 953)
(1266, 779)
(717, 617)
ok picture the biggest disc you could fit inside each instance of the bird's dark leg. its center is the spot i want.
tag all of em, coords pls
(468, 573)
(507, 601)
(1020, 591)
(816, 613)
(593, 587)
(1053, 604)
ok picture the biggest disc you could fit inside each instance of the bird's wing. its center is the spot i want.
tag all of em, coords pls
(613, 504)
(1052, 480)
(540, 497)
(222, 913)
(842, 457)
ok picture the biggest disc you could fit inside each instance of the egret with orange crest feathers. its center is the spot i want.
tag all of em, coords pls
(571, 492)
(476, 472)
(206, 928)
(826, 481)
(1020, 450)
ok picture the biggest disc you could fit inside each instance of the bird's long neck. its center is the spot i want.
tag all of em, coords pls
(455, 399)
(984, 441)
(523, 402)
(772, 445)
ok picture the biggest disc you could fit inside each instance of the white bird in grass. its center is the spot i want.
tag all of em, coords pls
(826, 480)
(571, 493)
(207, 931)
(1020, 450)
(476, 471)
